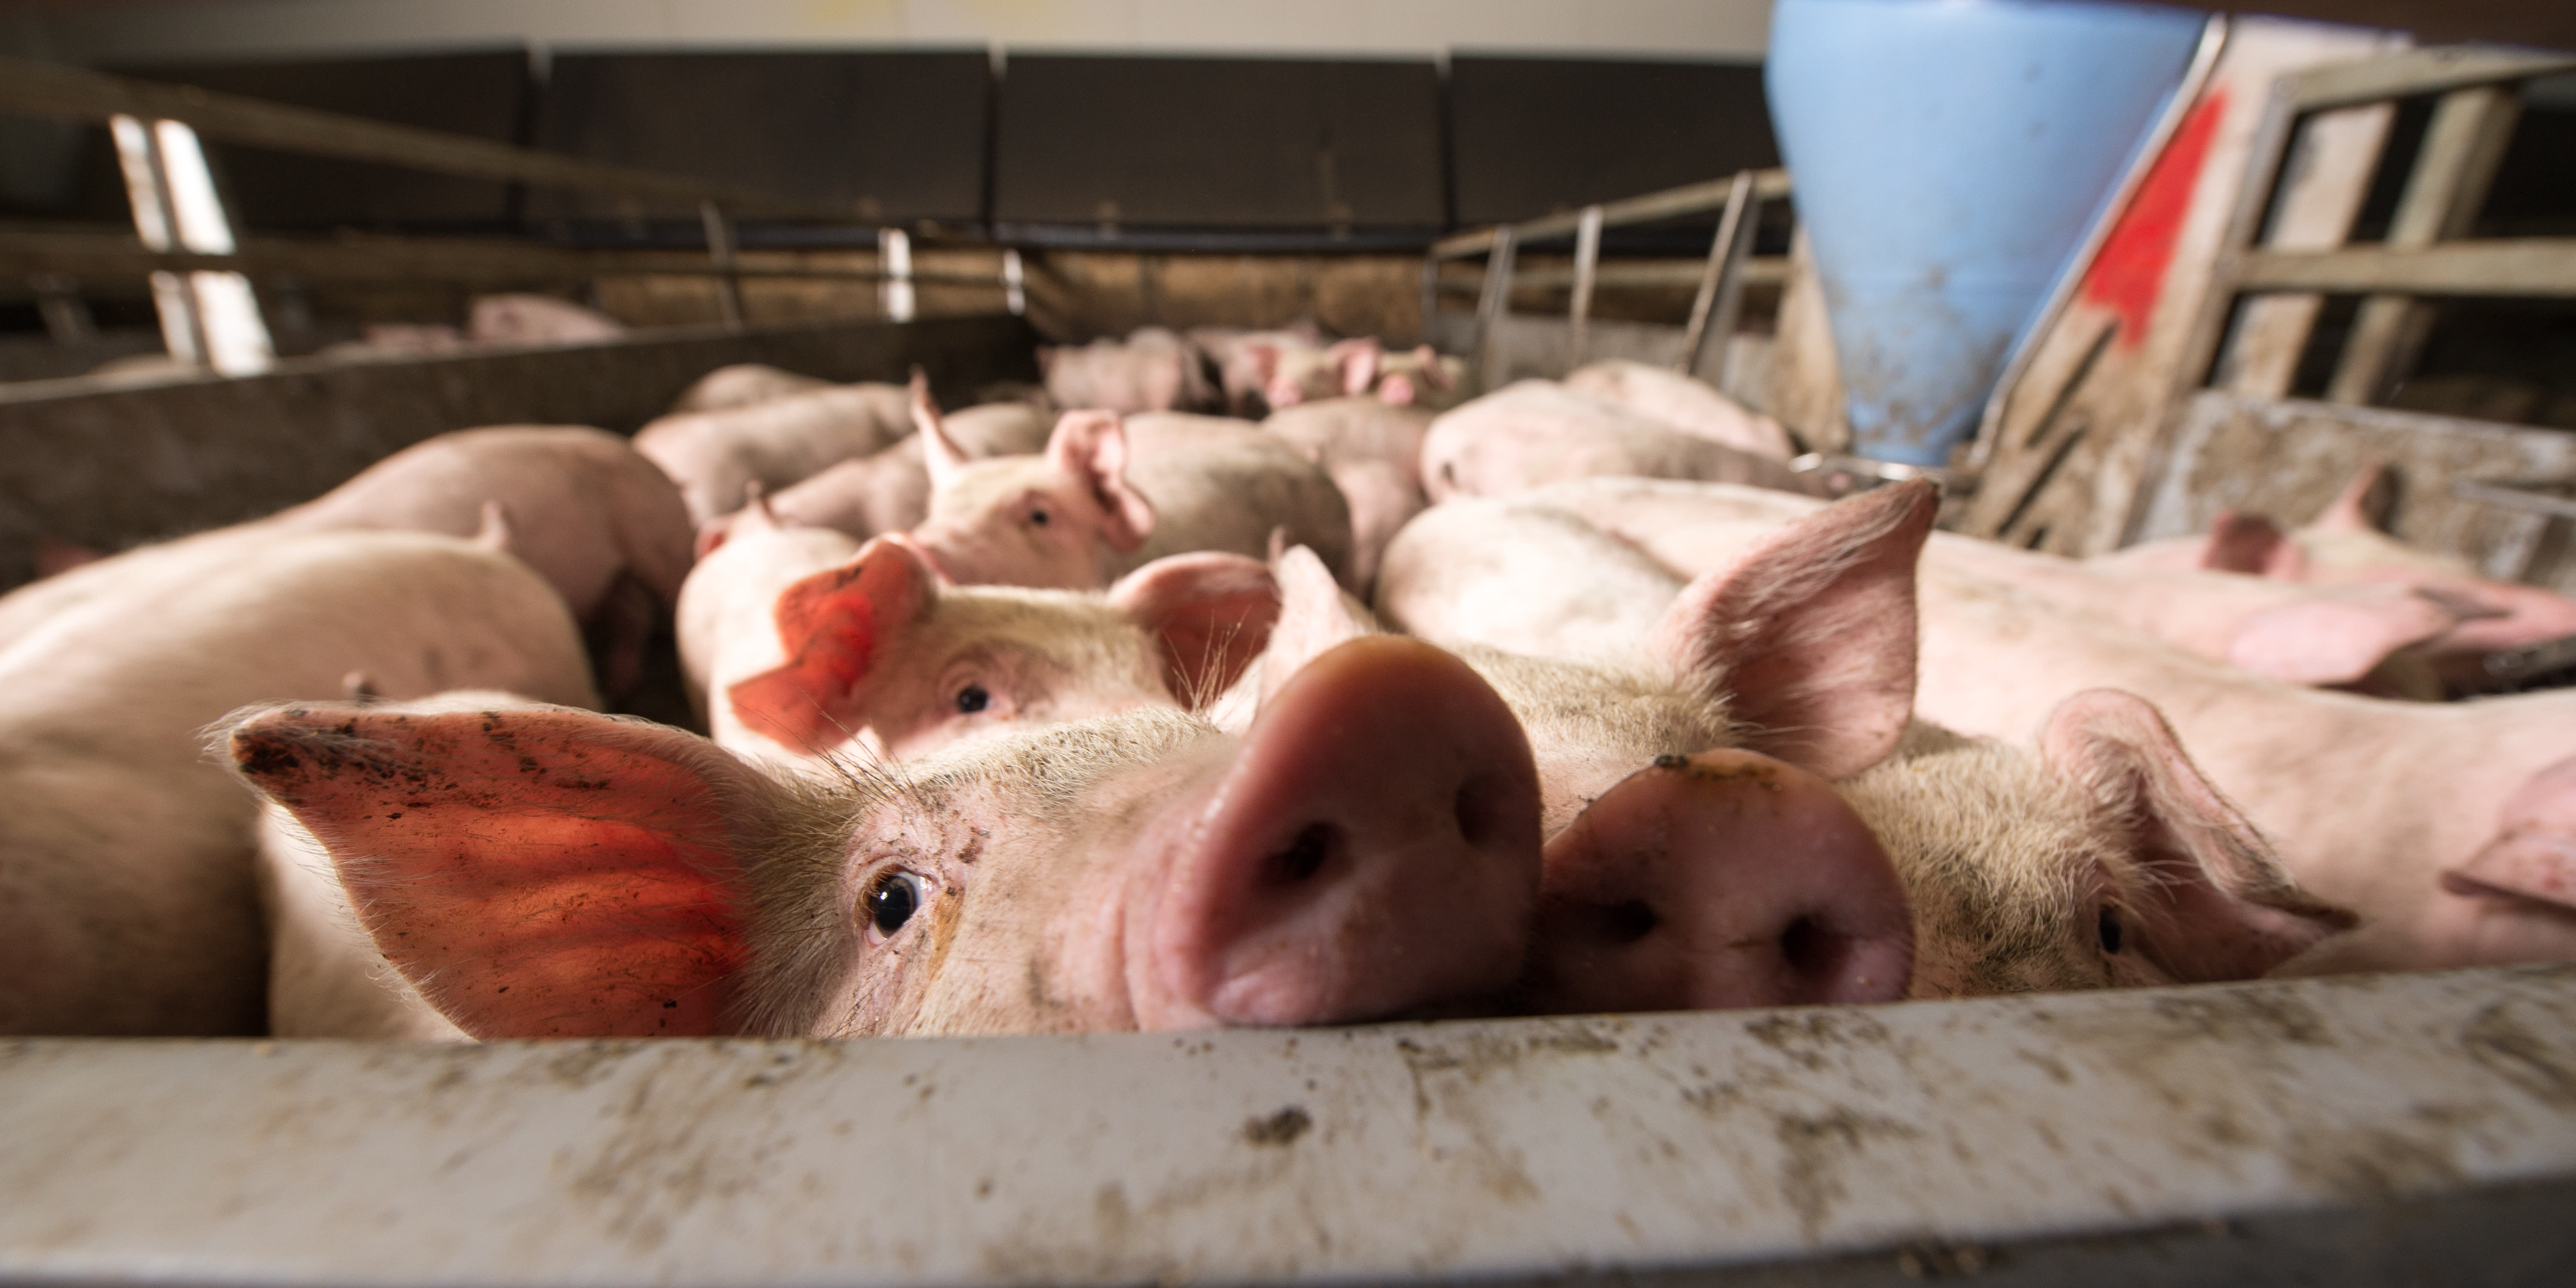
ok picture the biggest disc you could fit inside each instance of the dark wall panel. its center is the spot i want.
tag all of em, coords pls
(1536, 135)
(892, 135)
(484, 95)
(1218, 142)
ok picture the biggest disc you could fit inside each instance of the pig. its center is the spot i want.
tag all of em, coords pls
(127, 898)
(1136, 871)
(1692, 406)
(716, 455)
(2105, 861)
(1110, 495)
(2345, 547)
(873, 652)
(1152, 370)
(2361, 637)
(1373, 451)
(1235, 352)
(1355, 368)
(2369, 804)
(890, 491)
(527, 319)
(1535, 431)
(741, 385)
(598, 521)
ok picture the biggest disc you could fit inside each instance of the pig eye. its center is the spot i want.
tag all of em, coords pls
(892, 901)
(2106, 925)
(972, 699)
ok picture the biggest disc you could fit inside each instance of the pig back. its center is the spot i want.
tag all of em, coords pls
(125, 853)
(714, 455)
(1535, 432)
(1221, 484)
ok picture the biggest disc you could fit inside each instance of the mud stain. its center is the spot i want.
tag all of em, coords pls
(1818, 1150)
(1281, 1128)
(2501, 1045)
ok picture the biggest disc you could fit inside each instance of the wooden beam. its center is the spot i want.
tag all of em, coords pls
(77, 93)
(2503, 266)
(105, 255)
(1768, 270)
(1669, 204)
(2417, 71)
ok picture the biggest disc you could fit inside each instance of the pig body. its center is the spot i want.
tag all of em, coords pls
(1109, 497)
(1535, 432)
(2009, 860)
(2368, 802)
(1374, 453)
(1138, 871)
(741, 385)
(890, 490)
(715, 456)
(2321, 635)
(127, 898)
(1153, 369)
(1692, 406)
(527, 319)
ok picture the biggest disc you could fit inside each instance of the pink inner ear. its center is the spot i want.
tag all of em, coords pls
(2534, 853)
(1091, 447)
(537, 873)
(1812, 632)
(831, 625)
(1212, 614)
(2253, 545)
(2332, 641)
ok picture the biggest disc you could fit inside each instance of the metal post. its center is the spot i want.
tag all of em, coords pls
(1721, 284)
(1015, 291)
(1430, 292)
(1494, 305)
(139, 159)
(720, 249)
(1587, 266)
(894, 248)
(66, 314)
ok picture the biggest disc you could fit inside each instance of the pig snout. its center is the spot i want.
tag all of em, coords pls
(1372, 852)
(1724, 879)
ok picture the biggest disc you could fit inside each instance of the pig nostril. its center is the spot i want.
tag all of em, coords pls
(1629, 922)
(1812, 950)
(1303, 857)
(1483, 809)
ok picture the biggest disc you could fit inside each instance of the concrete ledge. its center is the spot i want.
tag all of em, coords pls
(2361, 1130)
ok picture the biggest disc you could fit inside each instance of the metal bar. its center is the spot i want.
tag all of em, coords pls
(2204, 62)
(2453, 171)
(2503, 266)
(1762, 270)
(1725, 258)
(1670, 203)
(55, 90)
(1015, 291)
(1496, 302)
(894, 251)
(2417, 71)
(1578, 308)
(2555, 497)
(720, 257)
(103, 255)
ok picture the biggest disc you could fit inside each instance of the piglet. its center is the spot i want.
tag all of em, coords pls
(1536, 431)
(529, 319)
(1692, 406)
(1112, 494)
(1368, 850)
(741, 385)
(1373, 450)
(715, 456)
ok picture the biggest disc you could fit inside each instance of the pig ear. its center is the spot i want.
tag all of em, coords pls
(2364, 501)
(2221, 907)
(1811, 632)
(940, 453)
(1091, 446)
(537, 872)
(1211, 612)
(2333, 641)
(1264, 358)
(1314, 617)
(1357, 361)
(2534, 853)
(833, 626)
(2254, 545)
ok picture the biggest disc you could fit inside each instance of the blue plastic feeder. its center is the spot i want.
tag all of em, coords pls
(1948, 155)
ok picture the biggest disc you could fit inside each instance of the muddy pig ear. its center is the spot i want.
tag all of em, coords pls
(836, 627)
(1811, 633)
(2220, 905)
(1091, 447)
(536, 872)
(2534, 853)
(1211, 613)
